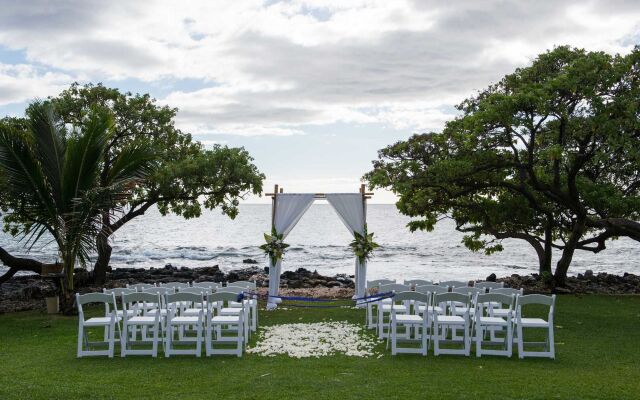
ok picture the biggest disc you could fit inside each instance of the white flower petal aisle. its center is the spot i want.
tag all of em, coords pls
(314, 340)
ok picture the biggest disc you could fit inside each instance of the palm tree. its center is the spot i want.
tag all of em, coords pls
(51, 181)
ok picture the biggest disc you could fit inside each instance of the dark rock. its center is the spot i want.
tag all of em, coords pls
(588, 273)
(249, 261)
(491, 278)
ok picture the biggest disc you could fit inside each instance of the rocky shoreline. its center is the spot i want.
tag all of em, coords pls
(28, 292)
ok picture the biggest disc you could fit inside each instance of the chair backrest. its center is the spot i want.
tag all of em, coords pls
(447, 297)
(108, 299)
(196, 290)
(183, 296)
(162, 291)
(468, 290)
(140, 297)
(224, 296)
(536, 299)
(489, 285)
(394, 287)
(490, 298)
(141, 286)
(206, 284)
(378, 282)
(432, 289)
(243, 284)
(454, 284)
(135, 298)
(506, 290)
(417, 282)
(415, 296)
(119, 291)
(175, 285)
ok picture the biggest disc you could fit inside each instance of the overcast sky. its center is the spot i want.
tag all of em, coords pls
(311, 88)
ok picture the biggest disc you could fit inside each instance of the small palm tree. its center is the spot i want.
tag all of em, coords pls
(51, 179)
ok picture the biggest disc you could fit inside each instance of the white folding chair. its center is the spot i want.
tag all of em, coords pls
(438, 308)
(252, 300)
(175, 322)
(219, 324)
(117, 292)
(140, 287)
(176, 286)
(482, 323)
(416, 322)
(443, 323)
(488, 286)
(236, 307)
(535, 323)
(371, 289)
(132, 321)
(109, 321)
(496, 310)
(384, 307)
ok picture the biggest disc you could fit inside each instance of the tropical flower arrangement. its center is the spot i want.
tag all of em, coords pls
(275, 246)
(363, 245)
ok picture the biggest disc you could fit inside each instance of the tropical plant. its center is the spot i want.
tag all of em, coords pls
(275, 246)
(52, 187)
(363, 245)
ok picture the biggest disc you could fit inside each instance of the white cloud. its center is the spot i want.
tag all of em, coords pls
(22, 82)
(274, 68)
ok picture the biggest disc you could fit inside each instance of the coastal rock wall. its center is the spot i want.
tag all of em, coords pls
(28, 292)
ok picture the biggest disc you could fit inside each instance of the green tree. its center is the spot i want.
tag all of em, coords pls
(189, 176)
(552, 150)
(51, 181)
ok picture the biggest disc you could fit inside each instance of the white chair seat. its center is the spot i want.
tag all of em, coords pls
(385, 301)
(99, 321)
(398, 308)
(534, 323)
(184, 320)
(493, 321)
(130, 313)
(450, 320)
(408, 319)
(500, 312)
(230, 311)
(225, 319)
(191, 312)
(437, 309)
(142, 320)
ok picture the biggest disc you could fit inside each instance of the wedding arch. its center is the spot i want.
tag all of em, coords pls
(288, 208)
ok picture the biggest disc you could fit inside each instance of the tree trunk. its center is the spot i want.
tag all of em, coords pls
(545, 265)
(562, 267)
(67, 297)
(17, 264)
(104, 256)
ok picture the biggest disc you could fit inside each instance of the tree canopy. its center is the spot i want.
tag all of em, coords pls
(188, 177)
(550, 154)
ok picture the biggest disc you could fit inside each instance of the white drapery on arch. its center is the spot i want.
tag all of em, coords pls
(350, 207)
(289, 208)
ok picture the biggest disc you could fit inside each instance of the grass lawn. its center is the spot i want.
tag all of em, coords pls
(598, 356)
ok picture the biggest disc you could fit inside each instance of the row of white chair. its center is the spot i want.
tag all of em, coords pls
(438, 316)
(166, 311)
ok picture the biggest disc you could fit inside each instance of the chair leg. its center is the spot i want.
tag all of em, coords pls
(478, 340)
(198, 338)
(552, 347)
(393, 334)
(436, 339)
(520, 342)
(80, 338)
(123, 340)
(112, 339)
(168, 338)
(154, 348)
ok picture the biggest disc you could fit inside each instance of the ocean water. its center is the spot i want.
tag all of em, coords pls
(319, 242)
